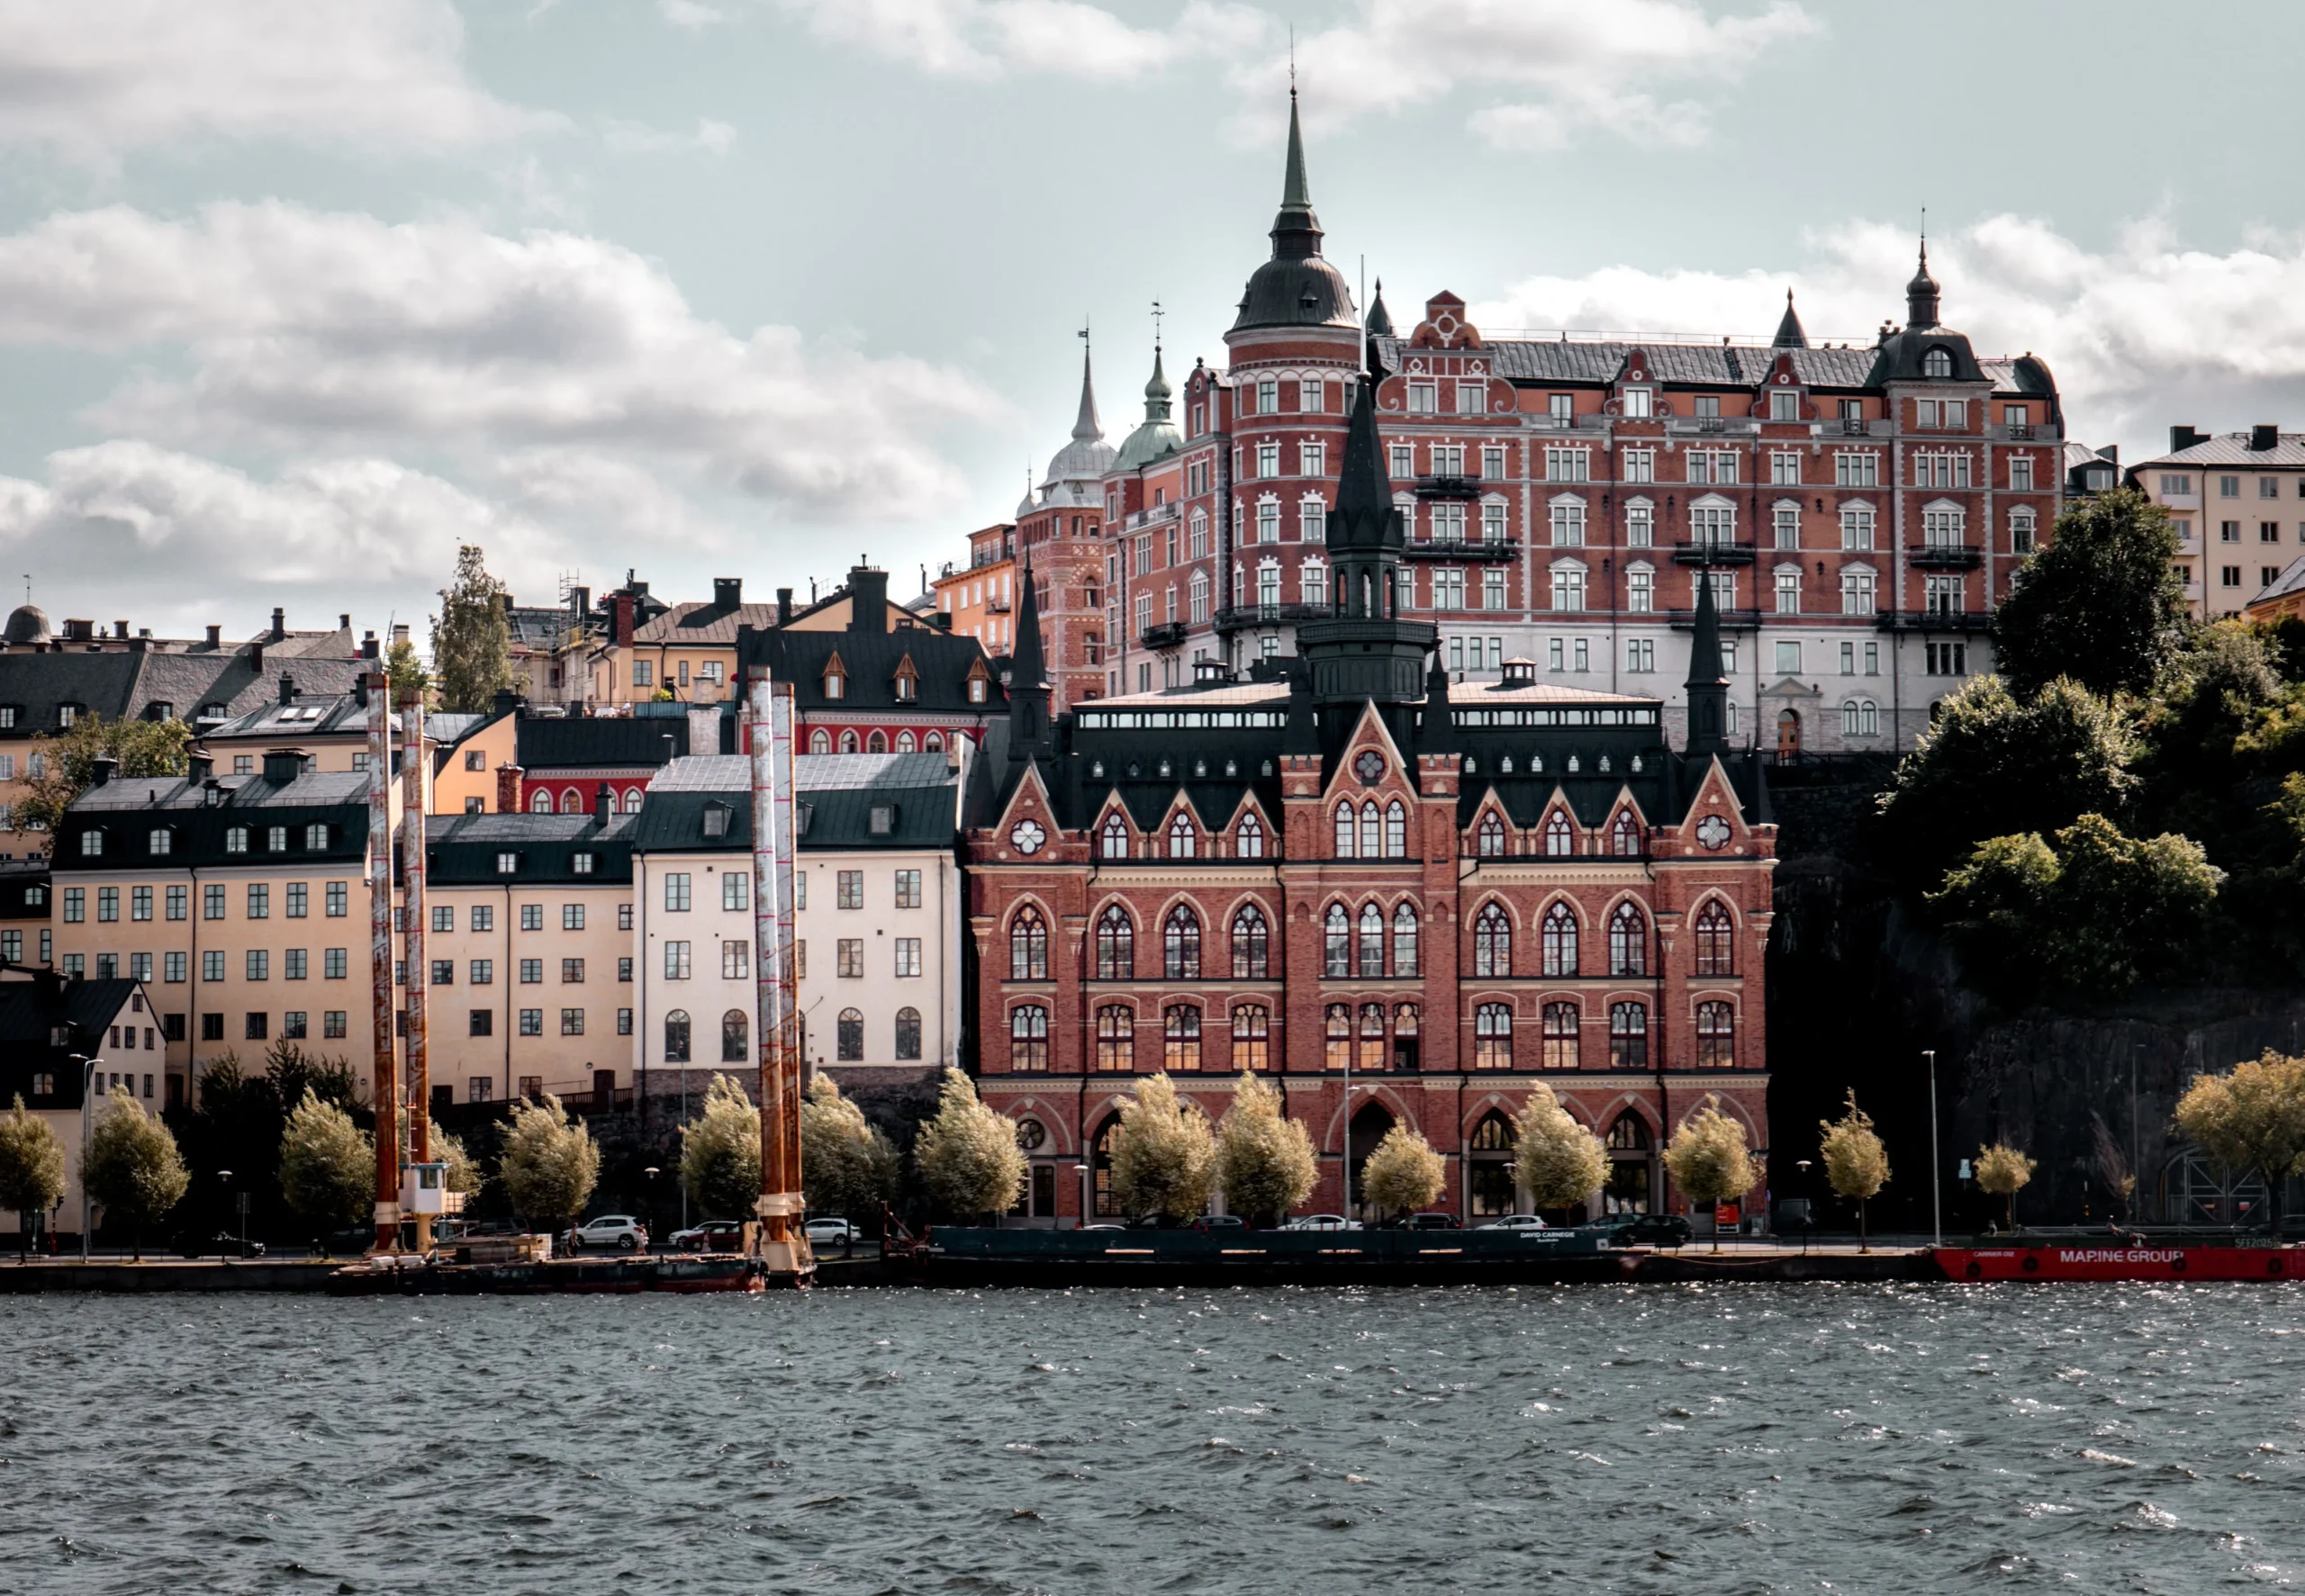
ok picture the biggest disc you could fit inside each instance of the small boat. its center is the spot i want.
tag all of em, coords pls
(684, 1273)
(2120, 1257)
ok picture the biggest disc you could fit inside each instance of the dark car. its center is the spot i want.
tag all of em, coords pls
(1217, 1221)
(1654, 1230)
(1422, 1221)
(223, 1244)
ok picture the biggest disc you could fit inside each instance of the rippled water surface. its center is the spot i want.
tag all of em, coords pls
(1654, 1438)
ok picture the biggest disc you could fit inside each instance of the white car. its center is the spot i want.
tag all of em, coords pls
(618, 1231)
(832, 1232)
(1322, 1222)
(1518, 1221)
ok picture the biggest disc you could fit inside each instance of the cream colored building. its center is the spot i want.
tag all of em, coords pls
(2238, 502)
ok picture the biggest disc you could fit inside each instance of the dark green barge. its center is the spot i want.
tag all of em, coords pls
(952, 1255)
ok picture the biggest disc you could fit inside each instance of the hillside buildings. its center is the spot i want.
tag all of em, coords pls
(2238, 501)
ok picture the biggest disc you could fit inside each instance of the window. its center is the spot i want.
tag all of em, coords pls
(532, 971)
(1716, 1036)
(1404, 942)
(572, 1022)
(1371, 843)
(1028, 946)
(676, 901)
(211, 964)
(1181, 1037)
(1493, 1036)
(1568, 465)
(1248, 838)
(1558, 934)
(443, 917)
(1251, 942)
(1715, 941)
(1181, 945)
(1560, 1021)
(677, 1033)
(1344, 831)
(908, 956)
(1860, 717)
(107, 904)
(1371, 942)
(1027, 1037)
(2021, 530)
(1183, 840)
(1568, 521)
(172, 965)
(1492, 941)
(178, 902)
(1251, 1036)
(1569, 588)
(676, 963)
(1628, 1036)
(849, 957)
(258, 964)
(849, 889)
(908, 1035)
(1560, 836)
(1395, 831)
(1115, 1038)
(1115, 945)
(1336, 943)
(1112, 838)
(1490, 840)
(294, 961)
(1641, 590)
(1855, 592)
(907, 889)
(572, 914)
(1423, 398)
(1624, 836)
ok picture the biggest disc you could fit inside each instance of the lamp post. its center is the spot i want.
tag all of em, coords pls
(652, 1171)
(1808, 1217)
(1082, 1171)
(225, 1178)
(1935, 1201)
(88, 1113)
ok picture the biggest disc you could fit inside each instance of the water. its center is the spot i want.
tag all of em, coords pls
(1673, 1439)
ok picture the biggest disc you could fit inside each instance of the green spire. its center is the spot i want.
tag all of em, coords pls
(1295, 194)
(1296, 229)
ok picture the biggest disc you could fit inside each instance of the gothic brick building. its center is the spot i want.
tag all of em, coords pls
(1343, 858)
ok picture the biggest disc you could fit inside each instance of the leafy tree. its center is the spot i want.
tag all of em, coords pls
(2251, 1118)
(1708, 1159)
(1993, 765)
(550, 1165)
(1164, 1159)
(327, 1168)
(1404, 1173)
(1556, 1160)
(967, 1154)
(847, 1166)
(404, 674)
(720, 1152)
(464, 1175)
(1264, 1163)
(142, 747)
(31, 1169)
(2003, 1171)
(1857, 1165)
(2102, 603)
(133, 1169)
(472, 641)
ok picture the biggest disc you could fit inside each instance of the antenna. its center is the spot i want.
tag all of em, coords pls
(1157, 314)
(1292, 60)
(1363, 307)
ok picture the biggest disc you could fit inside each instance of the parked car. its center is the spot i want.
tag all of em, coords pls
(1104, 1225)
(1321, 1222)
(1517, 1222)
(1654, 1230)
(833, 1232)
(1422, 1221)
(718, 1235)
(223, 1244)
(618, 1231)
(1220, 1221)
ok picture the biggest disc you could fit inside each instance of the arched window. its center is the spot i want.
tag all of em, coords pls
(735, 1037)
(932, 742)
(676, 1037)
(1181, 1037)
(1116, 1039)
(904, 742)
(1716, 1036)
(1561, 1036)
(1628, 1036)
(1112, 839)
(1251, 1036)
(1628, 941)
(1493, 1036)
(1028, 1038)
(1560, 838)
(1181, 945)
(907, 1035)
(1115, 945)
(1395, 831)
(1028, 946)
(572, 802)
(1494, 1133)
(1248, 838)
(820, 741)
(1404, 942)
(1336, 943)
(1337, 1036)
(1489, 836)
(632, 800)
(1250, 944)
(1492, 941)
(1372, 844)
(1937, 362)
(878, 742)
(1560, 934)
(1629, 1134)
(1372, 1037)
(1372, 942)
(1183, 839)
(851, 1036)
(1624, 836)
(1860, 717)
(539, 802)
(848, 741)
(1344, 831)
(1717, 941)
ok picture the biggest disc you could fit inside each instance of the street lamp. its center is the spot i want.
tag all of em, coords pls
(88, 1093)
(1082, 1171)
(1935, 1201)
(652, 1171)
(224, 1177)
(1808, 1217)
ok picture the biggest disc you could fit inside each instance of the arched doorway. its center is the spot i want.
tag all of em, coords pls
(1632, 1160)
(1101, 1163)
(1788, 732)
(1369, 1125)
(1488, 1167)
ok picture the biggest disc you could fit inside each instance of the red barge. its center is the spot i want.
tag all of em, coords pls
(2115, 1259)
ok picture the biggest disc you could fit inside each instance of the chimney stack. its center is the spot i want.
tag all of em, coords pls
(508, 789)
(728, 592)
(344, 622)
(2182, 438)
(256, 657)
(198, 768)
(287, 688)
(784, 607)
(215, 636)
(101, 771)
(603, 805)
(120, 630)
(868, 599)
(279, 624)
(623, 634)
(2263, 436)
(368, 645)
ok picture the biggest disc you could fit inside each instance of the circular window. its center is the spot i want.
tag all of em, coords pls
(1031, 1134)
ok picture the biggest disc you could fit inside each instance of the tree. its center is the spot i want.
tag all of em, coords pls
(2001, 1170)
(847, 1166)
(404, 674)
(720, 1152)
(1404, 1173)
(133, 1170)
(2251, 1118)
(472, 640)
(2102, 603)
(1264, 1163)
(967, 1156)
(140, 747)
(1164, 1159)
(465, 1175)
(328, 1169)
(31, 1169)
(550, 1165)
(1708, 1159)
(1857, 1165)
(1556, 1160)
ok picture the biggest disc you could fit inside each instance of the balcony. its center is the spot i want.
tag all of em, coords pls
(1731, 620)
(1240, 617)
(1713, 425)
(1473, 549)
(1852, 426)
(1944, 556)
(996, 607)
(1967, 622)
(1168, 634)
(1714, 554)
(1447, 487)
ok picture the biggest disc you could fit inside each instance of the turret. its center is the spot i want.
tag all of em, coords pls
(1028, 691)
(1707, 686)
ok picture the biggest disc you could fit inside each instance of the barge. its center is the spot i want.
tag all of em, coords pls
(2131, 1257)
(684, 1273)
(952, 1255)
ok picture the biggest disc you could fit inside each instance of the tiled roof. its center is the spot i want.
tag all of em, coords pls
(308, 716)
(2232, 448)
(708, 772)
(186, 682)
(35, 684)
(2290, 580)
(702, 621)
(309, 789)
(870, 660)
(1720, 366)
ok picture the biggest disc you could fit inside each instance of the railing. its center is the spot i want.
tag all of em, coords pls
(1168, 634)
(1852, 426)
(1731, 620)
(997, 606)
(1944, 556)
(1463, 548)
(1966, 621)
(1704, 552)
(1447, 487)
(1715, 426)
(1240, 617)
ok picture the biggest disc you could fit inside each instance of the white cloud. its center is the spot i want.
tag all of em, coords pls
(2140, 334)
(632, 137)
(986, 39)
(690, 14)
(304, 331)
(98, 77)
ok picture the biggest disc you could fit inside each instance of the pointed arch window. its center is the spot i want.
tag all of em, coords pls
(1629, 1134)
(1404, 942)
(1717, 941)
(1181, 1037)
(1561, 1036)
(1371, 844)
(1116, 1039)
(1372, 942)
(1028, 946)
(1716, 1036)
(1628, 1036)
(1344, 831)
(1395, 831)
(1112, 838)
(904, 741)
(1560, 838)
(1494, 1133)
(1628, 941)
(848, 741)
(1115, 945)
(1248, 838)
(1184, 837)
(1337, 1036)
(1251, 1036)
(1336, 943)
(1250, 940)
(1028, 1038)
(1181, 945)
(878, 742)
(1559, 936)
(1624, 836)
(1372, 1038)
(1489, 836)
(1492, 941)
(820, 741)
(1493, 1036)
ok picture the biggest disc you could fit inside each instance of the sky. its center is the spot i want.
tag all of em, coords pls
(298, 295)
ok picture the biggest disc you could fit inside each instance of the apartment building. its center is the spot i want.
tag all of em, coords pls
(58, 1040)
(2237, 500)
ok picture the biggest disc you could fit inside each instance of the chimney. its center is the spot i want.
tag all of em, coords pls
(728, 592)
(256, 656)
(120, 631)
(79, 631)
(507, 700)
(197, 769)
(279, 624)
(784, 607)
(399, 631)
(101, 771)
(287, 688)
(2111, 454)
(508, 789)
(344, 622)
(868, 599)
(580, 602)
(281, 765)
(368, 650)
(623, 621)
(215, 636)
(504, 603)
(603, 805)
(2183, 438)
(2263, 436)
(360, 689)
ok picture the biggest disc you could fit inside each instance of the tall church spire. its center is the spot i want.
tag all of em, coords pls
(1028, 692)
(1085, 425)
(1296, 229)
(1708, 685)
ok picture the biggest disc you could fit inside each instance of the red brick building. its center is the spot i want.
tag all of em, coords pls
(1343, 859)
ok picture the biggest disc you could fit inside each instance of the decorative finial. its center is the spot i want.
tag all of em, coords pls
(1157, 314)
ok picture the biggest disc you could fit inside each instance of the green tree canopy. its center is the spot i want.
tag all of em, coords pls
(142, 747)
(2003, 1171)
(471, 639)
(1264, 1163)
(967, 1154)
(1164, 1158)
(1404, 1173)
(1856, 1166)
(404, 673)
(1556, 1160)
(133, 1170)
(2102, 603)
(2251, 1119)
(848, 1166)
(1708, 1157)
(327, 1168)
(549, 1164)
(720, 1152)
(31, 1166)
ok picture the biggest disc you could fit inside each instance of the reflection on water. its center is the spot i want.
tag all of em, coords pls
(1739, 1438)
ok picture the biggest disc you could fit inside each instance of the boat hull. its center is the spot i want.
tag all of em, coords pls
(681, 1274)
(2057, 1261)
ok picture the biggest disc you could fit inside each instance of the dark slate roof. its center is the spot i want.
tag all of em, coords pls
(536, 627)
(702, 621)
(2290, 580)
(871, 659)
(30, 1010)
(1536, 361)
(307, 714)
(464, 849)
(552, 741)
(2232, 448)
(129, 807)
(186, 682)
(837, 793)
(36, 684)
(18, 878)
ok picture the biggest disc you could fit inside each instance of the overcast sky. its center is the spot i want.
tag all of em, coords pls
(295, 296)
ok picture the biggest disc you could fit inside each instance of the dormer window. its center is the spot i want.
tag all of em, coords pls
(881, 820)
(211, 712)
(92, 845)
(1937, 362)
(508, 864)
(65, 714)
(1636, 403)
(316, 836)
(160, 842)
(276, 839)
(1783, 405)
(1520, 672)
(715, 820)
(581, 864)
(836, 678)
(235, 839)
(906, 682)
(1113, 838)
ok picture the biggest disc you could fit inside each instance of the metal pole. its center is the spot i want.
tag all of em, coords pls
(380, 960)
(1348, 1118)
(411, 834)
(88, 1092)
(2137, 1183)
(784, 1247)
(1935, 1201)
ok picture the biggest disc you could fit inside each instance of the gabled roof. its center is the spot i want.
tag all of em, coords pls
(307, 714)
(186, 682)
(464, 849)
(699, 623)
(36, 684)
(870, 661)
(2232, 448)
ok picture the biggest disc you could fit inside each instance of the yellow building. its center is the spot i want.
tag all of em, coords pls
(2238, 502)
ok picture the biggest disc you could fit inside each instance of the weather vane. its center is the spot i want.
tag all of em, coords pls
(1157, 314)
